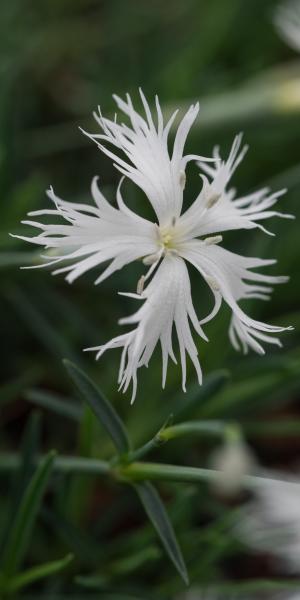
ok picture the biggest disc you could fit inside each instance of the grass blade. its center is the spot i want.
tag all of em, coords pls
(39, 572)
(162, 524)
(38, 323)
(53, 402)
(20, 532)
(100, 406)
(29, 450)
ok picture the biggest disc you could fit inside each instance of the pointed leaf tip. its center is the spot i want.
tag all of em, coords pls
(159, 518)
(100, 406)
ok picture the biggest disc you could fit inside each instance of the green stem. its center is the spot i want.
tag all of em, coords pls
(140, 471)
(193, 428)
(63, 464)
(222, 428)
(136, 471)
(145, 449)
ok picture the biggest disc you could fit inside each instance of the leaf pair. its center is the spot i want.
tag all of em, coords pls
(148, 495)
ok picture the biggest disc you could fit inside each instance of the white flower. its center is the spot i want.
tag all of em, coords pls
(287, 22)
(232, 461)
(195, 593)
(91, 235)
(271, 521)
(289, 596)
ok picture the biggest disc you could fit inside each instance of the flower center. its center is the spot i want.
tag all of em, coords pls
(166, 240)
(167, 237)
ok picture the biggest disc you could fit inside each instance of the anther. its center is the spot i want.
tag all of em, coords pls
(167, 238)
(214, 239)
(212, 200)
(140, 285)
(182, 179)
(212, 282)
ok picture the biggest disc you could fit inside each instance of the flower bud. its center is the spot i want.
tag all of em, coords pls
(232, 461)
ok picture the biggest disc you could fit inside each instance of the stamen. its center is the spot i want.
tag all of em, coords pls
(151, 258)
(214, 239)
(167, 238)
(213, 283)
(182, 179)
(140, 285)
(212, 200)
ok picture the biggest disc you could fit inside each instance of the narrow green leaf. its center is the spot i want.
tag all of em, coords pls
(20, 532)
(197, 397)
(91, 581)
(39, 572)
(38, 323)
(53, 402)
(135, 560)
(85, 432)
(13, 388)
(29, 451)
(78, 493)
(100, 406)
(162, 524)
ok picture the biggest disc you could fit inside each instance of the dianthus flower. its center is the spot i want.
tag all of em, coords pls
(89, 235)
(270, 522)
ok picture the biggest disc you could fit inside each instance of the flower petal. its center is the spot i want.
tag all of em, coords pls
(93, 235)
(230, 274)
(167, 302)
(206, 216)
(147, 161)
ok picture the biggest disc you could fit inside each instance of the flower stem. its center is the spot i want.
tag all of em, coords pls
(193, 428)
(136, 471)
(62, 464)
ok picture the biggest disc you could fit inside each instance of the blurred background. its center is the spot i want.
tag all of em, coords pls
(59, 59)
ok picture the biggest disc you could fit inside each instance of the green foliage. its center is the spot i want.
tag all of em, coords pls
(21, 530)
(159, 518)
(35, 573)
(101, 407)
(59, 59)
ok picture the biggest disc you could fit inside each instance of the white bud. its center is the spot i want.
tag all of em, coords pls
(233, 460)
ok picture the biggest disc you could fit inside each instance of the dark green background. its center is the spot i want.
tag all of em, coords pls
(59, 59)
